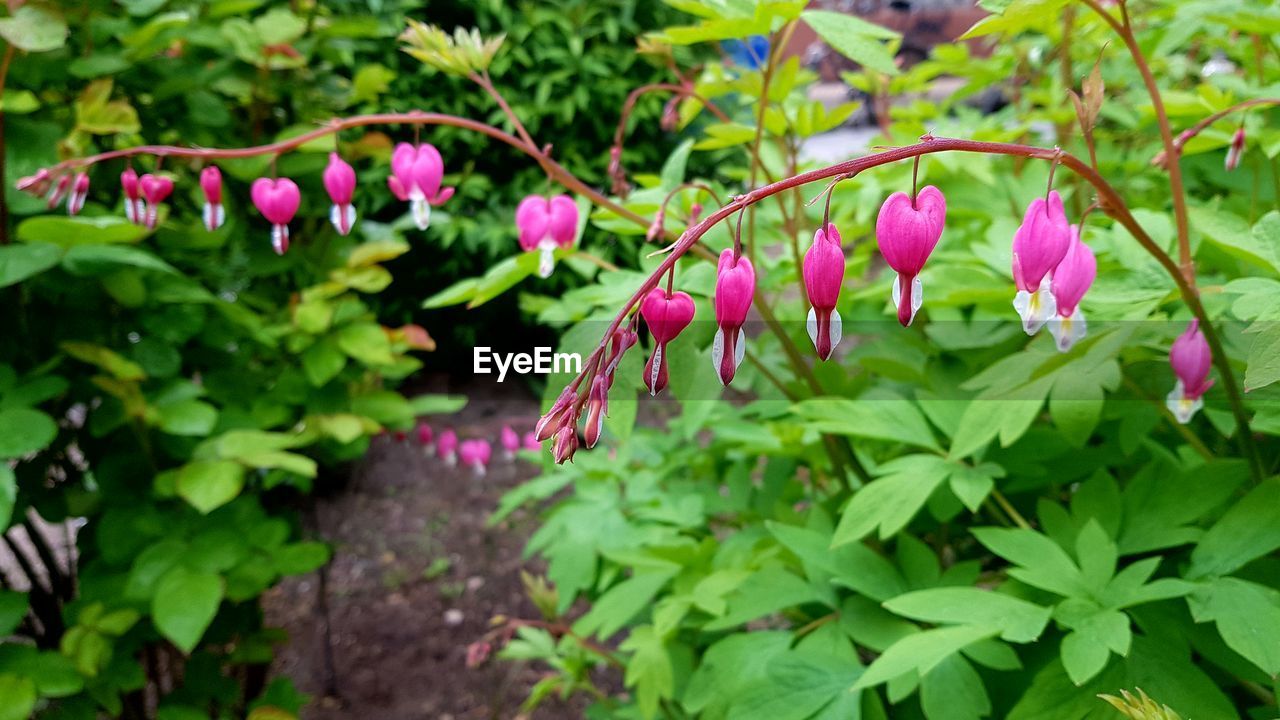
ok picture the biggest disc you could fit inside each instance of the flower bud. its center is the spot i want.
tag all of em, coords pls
(597, 408)
(735, 288)
(566, 444)
(211, 183)
(340, 182)
(551, 422)
(823, 277)
(79, 191)
(1191, 360)
(1235, 151)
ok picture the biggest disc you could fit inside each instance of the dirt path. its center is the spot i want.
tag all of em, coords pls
(416, 576)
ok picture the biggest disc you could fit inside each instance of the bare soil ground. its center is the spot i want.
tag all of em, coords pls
(416, 576)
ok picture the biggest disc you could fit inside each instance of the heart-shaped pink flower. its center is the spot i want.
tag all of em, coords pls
(154, 188)
(666, 316)
(907, 231)
(823, 276)
(545, 225)
(278, 202)
(735, 288)
(212, 212)
(417, 172)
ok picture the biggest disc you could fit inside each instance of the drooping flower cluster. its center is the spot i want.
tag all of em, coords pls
(1052, 269)
(545, 225)
(475, 453)
(417, 172)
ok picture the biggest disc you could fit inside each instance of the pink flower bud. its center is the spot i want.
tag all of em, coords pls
(695, 212)
(1235, 151)
(670, 115)
(37, 183)
(79, 191)
(656, 228)
(1191, 360)
(735, 288)
(510, 439)
(566, 444)
(134, 208)
(907, 231)
(340, 183)
(426, 438)
(212, 212)
(475, 454)
(1039, 245)
(666, 316)
(597, 408)
(551, 422)
(416, 175)
(823, 276)
(619, 343)
(278, 202)
(447, 447)
(545, 225)
(1071, 280)
(154, 188)
(59, 191)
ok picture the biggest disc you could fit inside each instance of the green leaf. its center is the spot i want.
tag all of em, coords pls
(856, 39)
(34, 28)
(1232, 234)
(1086, 648)
(323, 361)
(19, 695)
(954, 691)
(890, 501)
(369, 253)
(852, 565)
(1263, 366)
(13, 607)
(875, 415)
(1017, 16)
(922, 652)
(210, 484)
(109, 360)
(797, 686)
(674, 168)
(366, 342)
(184, 605)
(1041, 561)
(649, 670)
(621, 603)
(300, 558)
(1248, 618)
(1018, 620)
(93, 260)
(19, 262)
(1249, 530)
(188, 417)
(68, 232)
(459, 292)
(437, 404)
(24, 430)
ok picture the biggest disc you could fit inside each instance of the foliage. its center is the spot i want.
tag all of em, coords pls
(1033, 529)
(167, 397)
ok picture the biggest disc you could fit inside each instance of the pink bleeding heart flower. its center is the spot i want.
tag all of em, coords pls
(735, 288)
(426, 438)
(1071, 280)
(1235, 151)
(530, 441)
(134, 208)
(566, 444)
(667, 316)
(907, 231)
(823, 276)
(154, 188)
(79, 191)
(447, 447)
(1039, 245)
(212, 212)
(545, 225)
(278, 202)
(597, 408)
(416, 174)
(510, 440)
(59, 191)
(340, 182)
(1190, 358)
(475, 454)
